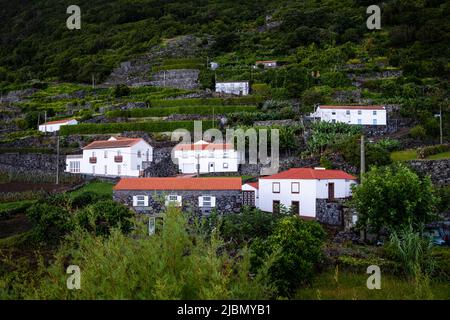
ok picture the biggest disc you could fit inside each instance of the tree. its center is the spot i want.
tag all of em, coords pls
(393, 196)
(121, 90)
(296, 249)
(50, 222)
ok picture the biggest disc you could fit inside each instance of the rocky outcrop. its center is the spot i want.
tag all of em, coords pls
(17, 95)
(179, 78)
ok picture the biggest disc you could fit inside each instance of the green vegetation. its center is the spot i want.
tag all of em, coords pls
(150, 126)
(393, 196)
(101, 188)
(167, 111)
(404, 155)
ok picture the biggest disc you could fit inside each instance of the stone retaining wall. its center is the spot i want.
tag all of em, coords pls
(438, 170)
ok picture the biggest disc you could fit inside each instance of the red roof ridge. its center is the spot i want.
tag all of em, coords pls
(116, 143)
(369, 107)
(175, 183)
(310, 173)
(58, 121)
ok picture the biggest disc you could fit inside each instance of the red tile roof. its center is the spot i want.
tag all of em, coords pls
(253, 184)
(309, 173)
(179, 184)
(119, 143)
(203, 146)
(58, 121)
(354, 107)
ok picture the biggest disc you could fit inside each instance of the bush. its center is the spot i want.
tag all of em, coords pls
(431, 150)
(50, 222)
(121, 90)
(418, 132)
(296, 248)
(86, 198)
(100, 217)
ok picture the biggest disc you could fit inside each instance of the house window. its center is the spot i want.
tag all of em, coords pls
(359, 112)
(93, 154)
(275, 187)
(225, 165)
(276, 206)
(225, 154)
(374, 121)
(359, 121)
(207, 201)
(333, 120)
(119, 170)
(74, 166)
(333, 113)
(295, 187)
(374, 112)
(139, 154)
(347, 112)
(105, 154)
(139, 167)
(173, 199)
(106, 169)
(140, 201)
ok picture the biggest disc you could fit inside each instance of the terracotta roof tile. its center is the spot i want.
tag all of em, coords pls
(309, 173)
(119, 143)
(57, 121)
(354, 107)
(253, 184)
(207, 146)
(179, 184)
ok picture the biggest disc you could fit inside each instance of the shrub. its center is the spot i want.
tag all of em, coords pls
(100, 217)
(50, 222)
(86, 198)
(431, 150)
(121, 90)
(418, 132)
(296, 247)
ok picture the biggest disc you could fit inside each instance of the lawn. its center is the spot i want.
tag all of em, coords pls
(345, 285)
(438, 156)
(102, 188)
(404, 155)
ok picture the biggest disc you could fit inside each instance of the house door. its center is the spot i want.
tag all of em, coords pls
(276, 206)
(249, 198)
(211, 167)
(331, 191)
(295, 207)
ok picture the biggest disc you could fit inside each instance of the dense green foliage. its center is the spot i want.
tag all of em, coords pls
(297, 248)
(392, 197)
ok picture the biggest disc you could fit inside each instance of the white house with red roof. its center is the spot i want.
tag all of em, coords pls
(52, 126)
(240, 88)
(115, 157)
(363, 115)
(266, 63)
(208, 157)
(299, 189)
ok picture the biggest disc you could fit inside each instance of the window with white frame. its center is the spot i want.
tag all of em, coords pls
(225, 165)
(174, 199)
(347, 112)
(105, 154)
(359, 121)
(106, 169)
(359, 112)
(139, 154)
(374, 121)
(374, 112)
(225, 154)
(207, 201)
(275, 187)
(74, 166)
(140, 201)
(295, 187)
(333, 113)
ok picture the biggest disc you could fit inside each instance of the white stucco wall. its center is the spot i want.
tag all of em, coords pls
(238, 87)
(187, 160)
(352, 116)
(56, 126)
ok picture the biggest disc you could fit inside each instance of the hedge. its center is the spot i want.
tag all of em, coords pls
(431, 150)
(246, 100)
(150, 126)
(167, 111)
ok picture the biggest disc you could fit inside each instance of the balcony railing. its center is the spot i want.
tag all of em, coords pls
(93, 160)
(118, 159)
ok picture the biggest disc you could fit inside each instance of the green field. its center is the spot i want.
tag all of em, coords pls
(102, 188)
(406, 155)
(439, 156)
(346, 285)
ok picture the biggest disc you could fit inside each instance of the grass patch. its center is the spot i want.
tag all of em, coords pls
(347, 285)
(439, 156)
(404, 155)
(101, 188)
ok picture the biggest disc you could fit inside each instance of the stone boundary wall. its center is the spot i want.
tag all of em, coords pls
(438, 170)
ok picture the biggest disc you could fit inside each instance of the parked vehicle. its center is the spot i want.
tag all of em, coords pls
(438, 235)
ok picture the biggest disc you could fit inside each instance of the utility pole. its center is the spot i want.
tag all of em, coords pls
(198, 165)
(45, 121)
(213, 120)
(93, 81)
(440, 122)
(363, 158)
(57, 157)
